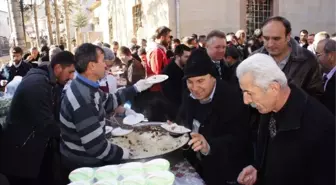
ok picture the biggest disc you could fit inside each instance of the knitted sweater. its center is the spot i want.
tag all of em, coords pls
(83, 109)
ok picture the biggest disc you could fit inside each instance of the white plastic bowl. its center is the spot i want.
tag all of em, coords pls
(110, 172)
(156, 165)
(131, 169)
(134, 180)
(133, 119)
(107, 182)
(80, 183)
(82, 174)
(161, 178)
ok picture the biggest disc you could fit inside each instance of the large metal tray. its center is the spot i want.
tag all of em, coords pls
(150, 141)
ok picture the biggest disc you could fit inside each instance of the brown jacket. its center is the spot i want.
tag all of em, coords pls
(135, 71)
(302, 69)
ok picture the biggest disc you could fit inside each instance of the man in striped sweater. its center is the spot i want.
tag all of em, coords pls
(83, 110)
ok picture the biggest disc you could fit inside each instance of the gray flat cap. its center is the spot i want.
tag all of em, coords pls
(108, 54)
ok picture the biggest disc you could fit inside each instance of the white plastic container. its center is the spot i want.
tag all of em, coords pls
(82, 175)
(156, 165)
(107, 182)
(80, 183)
(134, 180)
(110, 172)
(131, 169)
(160, 178)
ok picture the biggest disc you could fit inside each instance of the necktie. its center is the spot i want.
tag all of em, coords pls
(218, 67)
(324, 81)
(272, 126)
(325, 78)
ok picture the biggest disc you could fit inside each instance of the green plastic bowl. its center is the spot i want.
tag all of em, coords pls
(107, 173)
(131, 169)
(160, 178)
(80, 183)
(157, 165)
(82, 174)
(134, 180)
(107, 182)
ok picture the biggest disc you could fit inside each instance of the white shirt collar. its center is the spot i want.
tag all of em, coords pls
(207, 100)
(16, 65)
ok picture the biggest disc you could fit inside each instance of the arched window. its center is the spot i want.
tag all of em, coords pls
(257, 12)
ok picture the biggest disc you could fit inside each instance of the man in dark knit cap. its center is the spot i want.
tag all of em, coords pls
(214, 111)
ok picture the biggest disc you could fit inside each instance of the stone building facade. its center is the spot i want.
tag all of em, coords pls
(4, 24)
(125, 19)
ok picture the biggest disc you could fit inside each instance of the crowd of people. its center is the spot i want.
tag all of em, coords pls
(261, 109)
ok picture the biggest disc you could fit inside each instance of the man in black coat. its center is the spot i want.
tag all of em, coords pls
(326, 54)
(214, 111)
(296, 138)
(17, 67)
(3, 180)
(216, 47)
(173, 88)
(232, 61)
(25, 144)
(299, 64)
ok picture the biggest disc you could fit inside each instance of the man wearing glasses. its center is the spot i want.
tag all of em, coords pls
(326, 55)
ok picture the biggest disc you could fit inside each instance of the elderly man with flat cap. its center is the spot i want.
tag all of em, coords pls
(214, 111)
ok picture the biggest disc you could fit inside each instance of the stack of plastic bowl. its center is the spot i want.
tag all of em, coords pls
(155, 172)
(156, 165)
(82, 175)
(110, 172)
(134, 180)
(160, 178)
(131, 169)
(80, 183)
(107, 182)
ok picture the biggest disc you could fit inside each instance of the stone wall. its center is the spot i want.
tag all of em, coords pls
(154, 14)
(312, 15)
(200, 17)
(4, 24)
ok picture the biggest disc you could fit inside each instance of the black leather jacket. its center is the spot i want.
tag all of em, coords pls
(302, 69)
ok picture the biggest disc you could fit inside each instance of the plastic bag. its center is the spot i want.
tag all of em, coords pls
(186, 180)
(12, 86)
